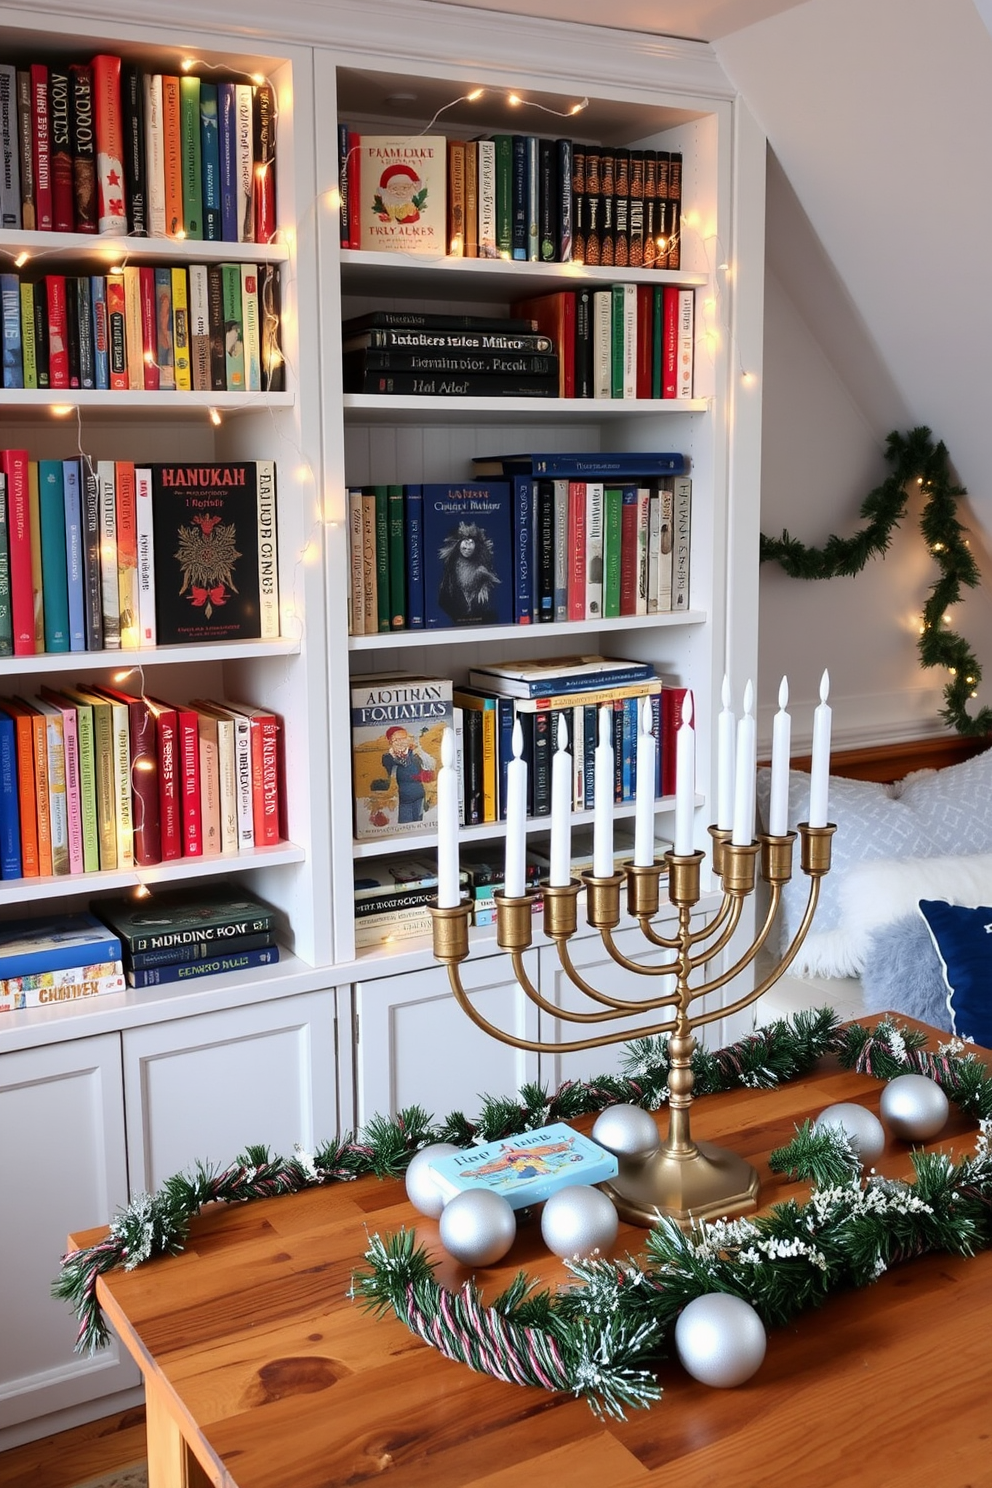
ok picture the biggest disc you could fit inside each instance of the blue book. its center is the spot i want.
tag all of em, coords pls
(518, 217)
(526, 1169)
(71, 487)
(10, 815)
(468, 555)
(10, 309)
(590, 738)
(54, 581)
(629, 741)
(84, 319)
(227, 153)
(505, 712)
(523, 549)
(413, 518)
(213, 224)
(590, 464)
(187, 971)
(53, 943)
(101, 332)
(656, 730)
(561, 674)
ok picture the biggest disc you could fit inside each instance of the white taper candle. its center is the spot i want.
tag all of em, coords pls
(743, 830)
(644, 790)
(602, 821)
(561, 809)
(778, 806)
(685, 780)
(448, 886)
(514, 869)
(819, 774)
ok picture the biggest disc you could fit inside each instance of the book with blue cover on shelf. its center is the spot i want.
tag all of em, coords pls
(526, 1169)
(558, 674)
(468, 554)
(53, 942)
(574, 466)
(10, 818)
(183, 971)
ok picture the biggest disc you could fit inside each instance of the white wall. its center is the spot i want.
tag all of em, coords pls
(876, 317)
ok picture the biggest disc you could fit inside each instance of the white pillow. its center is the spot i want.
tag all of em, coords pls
(874, 894)
(954, 806)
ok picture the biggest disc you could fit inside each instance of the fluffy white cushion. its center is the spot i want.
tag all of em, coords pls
(877, 893)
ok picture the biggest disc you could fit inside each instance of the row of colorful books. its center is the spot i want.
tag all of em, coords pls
(107, 146)
(528, 550)
(205, 328)
(513, 196)
(140, 941)
(113, 555)
(398, 721)
(96, 779)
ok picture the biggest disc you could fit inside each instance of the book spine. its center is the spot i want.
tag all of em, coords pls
(244, 162)
(621, 208)
(151, 373)
(189, 155)
(24, 736)
(72, 328)
(10, 312)
(84, 322)
(10, 170)
(117, 332)
(41, 147)
(383, 608)
(6, 618)
(227, 772)
(673, 214)
(594, 550)
(109, 574)
(523, 548)
(92, 580)
(519, 205)
(181, 331)
(111, 212)
(172, 156)
(154, 153)
(561, 550)
(60, 151)
(370, 568)
(670, 341)
(682, 523)
(273, 362)
(189, 783)
(542, 764)
(413, 500)
(37, 572)
(265, 780)
(169, 770)
(564, 206)
(154, 976)
(164, 352)
(134, 340)
(577, 550)
(25, 152)
(602, 342)
(83, 149)
(618, 342)
(533, 201)
(686, 347)
(29, 353)
(344, 187)
(252, 328)
(58, 353)
(51, 497)
(133, 135)
(503, 160)
(486, 188)
(87, 786)
(209, 785)
(123, 786)
(628, 550)
(73, 517)
(642, 529)
(199, 951)
(545, 552)
(356, 565)
(213, 225)
(636, 209)
(144, 558)
(43, 801)
(199, 328)
(459, 385)
(268, 564)
(208, 939)
(227, 149)
(46, 996)
(471, 199)
(10, 815)
(456, 198)
(232, 314)
(612, 532)
(607, 208)
(666, 544)
(215, 321)
(106, 803)
(74, 818)
(243, 783)
(645, 339)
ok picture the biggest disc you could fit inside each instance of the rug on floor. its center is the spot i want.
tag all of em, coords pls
(133, 1476)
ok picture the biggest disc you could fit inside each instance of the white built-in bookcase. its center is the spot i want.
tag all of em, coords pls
(327, 1036)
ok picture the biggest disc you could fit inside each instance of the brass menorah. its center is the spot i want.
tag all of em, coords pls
(682, 1179)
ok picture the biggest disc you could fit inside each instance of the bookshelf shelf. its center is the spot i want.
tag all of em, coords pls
(398, 274)
(540, 635)
(58, 248)
(128, 661)
(99, 404)
(374, 408)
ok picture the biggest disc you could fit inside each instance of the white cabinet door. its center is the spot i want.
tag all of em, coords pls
(202, 1089)
(62, 1115)
(415, 1045)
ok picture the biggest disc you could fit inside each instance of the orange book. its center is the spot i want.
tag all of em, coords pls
(24, 734)
(172, 156)
(117, 331)
(127, 554)
(42, 802)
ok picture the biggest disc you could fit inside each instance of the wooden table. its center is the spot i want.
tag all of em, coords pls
(261, 1373)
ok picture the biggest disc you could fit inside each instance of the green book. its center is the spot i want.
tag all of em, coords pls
(504, 194)
(383, 606)
(6, 616)
(104, 789)
(55, 585)
(616, 353)
(29, 348)
(397, 558)
(87, 780)
(189, 155)
(234, 330)
(612, 522)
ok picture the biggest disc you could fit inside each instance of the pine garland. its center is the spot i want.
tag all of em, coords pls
(913, 457)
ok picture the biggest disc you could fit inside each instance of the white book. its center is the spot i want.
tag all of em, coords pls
(242, 766)
(106, 475)
(666, 541)
(199, 327)
(594, 550)
(356, 565)
(268, 558)
(602, 343)
(681, 530)
(686, 348)
(146, 555)
(643, 516)
(10, 163)
(251, 328)
(630, 340)
(154, 154)
(487, 199)
(243, 160)
(228, 769)
(561, 550)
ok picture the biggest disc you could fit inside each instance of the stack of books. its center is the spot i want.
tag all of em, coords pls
(118, 555)
(392, 899)
(553, 538)
(484, 868)
(45, 962)
(182, 935)
(456, 356)
(513, 196)
(106, 145)
(205, 328)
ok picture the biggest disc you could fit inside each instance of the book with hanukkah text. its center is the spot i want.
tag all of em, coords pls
(526, 1169)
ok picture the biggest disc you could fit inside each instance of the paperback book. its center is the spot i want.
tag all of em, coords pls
(397, 723)
(399, 203)
(526, 1169)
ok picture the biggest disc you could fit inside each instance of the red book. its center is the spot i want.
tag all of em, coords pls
(58, 350)
(189, 782)
(144, 775)
(670, 342)
(149, 329)
(15, 468)
(41, 148)
(60, 151)
(628, 551)
(645, 320)
(169, 778)
(111, 206)
(577, 549)
(354, 188)
(672, 699)
(554, 315)
(265, 772)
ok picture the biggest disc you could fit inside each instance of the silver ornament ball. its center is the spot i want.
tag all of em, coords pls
(720, 1340)
(477, 1227)
(914, 1107)
(864, 1130)
(421, 1186)
(578, 1220)
(626, 1131)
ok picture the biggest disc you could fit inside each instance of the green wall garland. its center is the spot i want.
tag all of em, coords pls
(913, 457)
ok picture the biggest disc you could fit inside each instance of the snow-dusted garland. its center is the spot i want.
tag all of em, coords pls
(598, 1340)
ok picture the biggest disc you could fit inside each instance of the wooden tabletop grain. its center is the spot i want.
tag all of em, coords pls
(261, 1373)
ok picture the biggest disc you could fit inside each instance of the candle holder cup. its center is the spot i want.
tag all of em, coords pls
(682, 1179)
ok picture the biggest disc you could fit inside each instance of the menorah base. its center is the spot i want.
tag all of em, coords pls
(707, 1183)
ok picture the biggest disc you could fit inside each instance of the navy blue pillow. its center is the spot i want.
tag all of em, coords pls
(963, 938)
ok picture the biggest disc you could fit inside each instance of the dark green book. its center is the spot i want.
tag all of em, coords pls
(183, 917)
(397, 558)
(504, 194)
(55, 587)
(612, 521)
(213, 227)
(6, 619)
(616, 356)
(234, 329)
(383, 606)
(189, 155)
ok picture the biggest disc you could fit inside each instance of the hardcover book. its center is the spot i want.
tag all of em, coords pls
(52, 942)
(182, 917)
(396, 727)
(400, 203)
(595, 464)
(185, 971)
(526, 1169)
(468, 554)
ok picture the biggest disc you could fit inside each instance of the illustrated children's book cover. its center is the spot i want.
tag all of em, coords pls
(396, 727)
(401, 193)
(468, 554)
(526, 1169)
